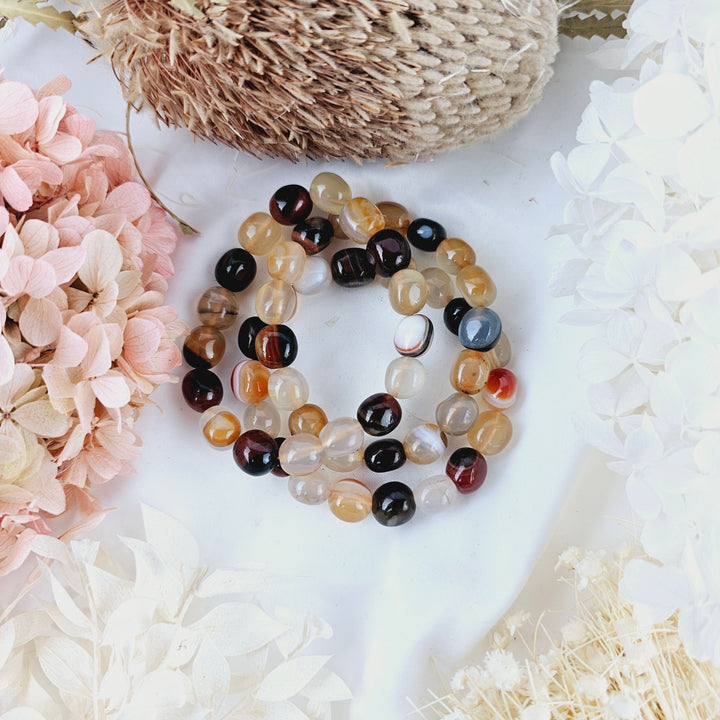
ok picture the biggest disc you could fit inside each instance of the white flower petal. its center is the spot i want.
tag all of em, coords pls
(700, 176)
(103, 260)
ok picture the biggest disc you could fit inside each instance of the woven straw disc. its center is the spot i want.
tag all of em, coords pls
(327, 78)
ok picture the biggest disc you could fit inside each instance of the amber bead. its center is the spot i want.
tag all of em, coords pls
(440, 290)
(301, 454)
(308, 418)
(286, 261)
(315, 278)
(407, 291)
(456, 414)
(467, 468)
(247, 333)
(352, 267)
(290, 204)
(360, 219)
(313, 235)
(276, 346)
(491, 432)
(388, 251)
(424, 444)
(425, 234)
(255, 452)
(384, 455)
(329, 192)
(480, 329)
(275, 302)
(500, 389)
(413, 335)
(350, 500)
(249, 381)
(393, 504)
(379, 414)
(453, 314)
(501, 354)
(220, 427)
(476, 286)
(259, 233)
(263, 416)
(202, 389)
(396, 216)
(470, 372)
(404, 377)
(288, 388)
(235, 270)
(204, 347)
(453, 254)
(218, 307)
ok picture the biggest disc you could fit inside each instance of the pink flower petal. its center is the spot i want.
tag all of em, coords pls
(85, 404)
(66, 261)
(50, 112)
(14, 546)
(97, 361)
(63, 148)
(39, 170)
(26, 275)
(40, 322)
(7, 361)
(18, 108)
(131, 198)
(70, 349)
(111, 389)
(81, 126)
(4, 220)
(73, 444)
(57, 86)
(142, 338)
(38, 237)
(14, 190)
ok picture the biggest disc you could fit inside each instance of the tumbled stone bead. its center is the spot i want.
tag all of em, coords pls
(220, 427)
(388, 251)
(393, 504)
(262, 416)
(350, 500)
(204, 347)
(339, 233)
(315, 277)
(290, 204)
(440, 290)
(345, 463)
(202, 389)
(467, 468)
(249, 381)
(456, 414)
(286, 261)
(424, 444)
(476, 286)
(255, 452)
(413, 335)
(469, 372)
(277, 471)
(313, 235)
(379, 414)
(259, 233)
(453, 314)
(247, 333)
(407, 291)
(308, 418)
(341, 437)
(360, 219)
(480, 329)
(329, 192)
(491, 432)
(276, 346)
(435, 494)
(235, 270)
(301, 454)
(396, 216)
(404, 377)
(275, 302)
(500, 390)
(351, 267)
(384, 455)
(501, 354)
(288, 388)
(312, 489)
(453, 254)
(218, 307)
(425, 234)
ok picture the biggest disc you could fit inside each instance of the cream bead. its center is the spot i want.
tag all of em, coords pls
(440, 290)
(286, 261)
(453, 254)
(350, 500)
(345, 463)
(342, 436)
(312, 489)
(424, 444)
(275, 302)
(435, 494)
(476, 286)
(407, 291)
(501, 354)
(301, 454)
(404, 377)
(315, 278)
(456, 414)
(360, 219)
(259, 233)
(329, 192)
(262, 416)
(491, 432)
(288, 388)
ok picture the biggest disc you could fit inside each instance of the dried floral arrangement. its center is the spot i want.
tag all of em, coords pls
(142, 629)
(86, 338)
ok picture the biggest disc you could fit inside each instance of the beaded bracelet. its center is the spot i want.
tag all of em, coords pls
(267, 384)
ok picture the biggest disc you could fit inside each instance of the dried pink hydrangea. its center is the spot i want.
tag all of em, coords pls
(84, 261)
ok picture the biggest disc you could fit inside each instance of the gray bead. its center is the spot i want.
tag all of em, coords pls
(480, 329)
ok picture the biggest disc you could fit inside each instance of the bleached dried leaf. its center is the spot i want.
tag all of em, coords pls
(326, 687)
(210, 676)
(66, 665)
(290, 677)
(22, 713)
(108, 591)
(232, 582)
(129, 620)
(174, 544)
(7, 642)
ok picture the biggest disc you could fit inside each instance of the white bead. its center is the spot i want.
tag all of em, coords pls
(262, 416)
(424, 444)
(342, 436)
(315, 278)
(435, 494)
(311, 489)
(404, 377)
(413, 335)
(288, 388)
(301, 454)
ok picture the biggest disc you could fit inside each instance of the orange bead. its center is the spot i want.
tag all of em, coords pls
(220, 427)
(491, 432)
(476, 286)
(470, 371)
(350, 500)
(249, 381)
(308, 418)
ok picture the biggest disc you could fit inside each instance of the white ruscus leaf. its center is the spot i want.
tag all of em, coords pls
(290, 677)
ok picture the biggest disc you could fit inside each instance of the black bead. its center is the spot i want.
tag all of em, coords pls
(389, 252)
(426, 234)
(352, 267)
(277, 470)
(202, 389)
(314, 235)
(393, 504)
(255, 452)
(379, 414)
(290, 205)
(384, 455)
(235, 270)
(453, 314)
(246, 336)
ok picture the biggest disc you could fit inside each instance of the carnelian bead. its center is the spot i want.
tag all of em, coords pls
(467, 468)
(491, 432)
(288, 388)
(204, 347)
(360, 219)
(249, 381)
(453, 255)
(308, 418)
(220, 427)
(276, 346)
(476, 286)
(202, 389)
(470, 372)
(255, 452)
(500, 389)
(350, 500)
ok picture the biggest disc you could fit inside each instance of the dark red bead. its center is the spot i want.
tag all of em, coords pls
(314, 235)
(453, 314)
(384, 455)
(290, 204)
(393, 504)
(277, 470)
(255, 452)
(246, 336)
(352, 267)
(389, 252)
(202, 389)
(425, 234)
(276, 346)
(379, 414)
(235, 270)
(467, 468)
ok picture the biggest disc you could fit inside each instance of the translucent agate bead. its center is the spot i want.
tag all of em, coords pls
(360, 219)
(262, 416)
(313, 235)
(275, 302)
(249, 381)
(384, 455)
(388, 251)
(301, 454)
(425, 234)
(476, 286)
(202, 389)
(404, 377)
(218, 307)
(456, 414)
(500, 390)
(352, 267)
(345, 463)
(204, 347)
(315, 276)
(220, 427)
(491, 432)
(259, 233)
(247, 333)
(453, 254)
(379, 414)
(341, 437)
(313, 489)
(440, 290)
(393, 504)
(255, 452)
(350, 500)
(276, 346)
(470, 372)
(424, 444)
(407, 291)
(288, 388)
(235, 270)
(286, 261)
(467, 468)
(413, 335)
(501, 354)
(290, 204)
(480, 329)
(308, 418)
(329, 192)
(396, 216)
(339, 232)
(435, 494)
(453, 314)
